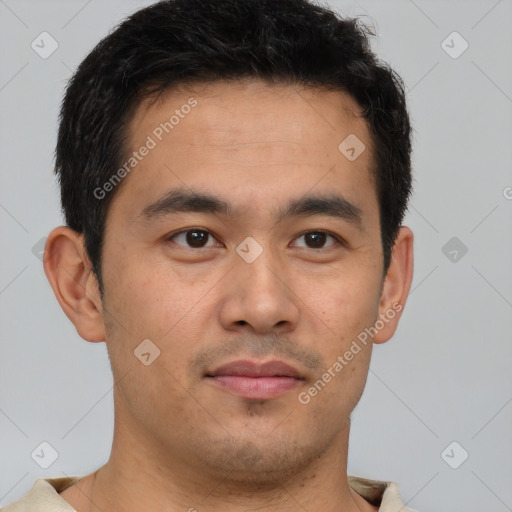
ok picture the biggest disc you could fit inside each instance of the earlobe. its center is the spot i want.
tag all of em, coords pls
(69, 272)
(396, 285)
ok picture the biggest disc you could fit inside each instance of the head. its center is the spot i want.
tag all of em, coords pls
(231, 118)
(173, 42)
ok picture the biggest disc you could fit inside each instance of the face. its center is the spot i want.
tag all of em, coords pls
(251, 274)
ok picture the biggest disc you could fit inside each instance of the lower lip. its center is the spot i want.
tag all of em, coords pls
(255, 387)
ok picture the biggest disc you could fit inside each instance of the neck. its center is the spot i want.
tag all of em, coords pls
(140, 475)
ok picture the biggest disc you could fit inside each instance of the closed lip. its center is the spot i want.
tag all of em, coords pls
(255, 369)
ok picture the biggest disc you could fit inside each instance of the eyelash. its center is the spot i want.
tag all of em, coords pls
(336, 237)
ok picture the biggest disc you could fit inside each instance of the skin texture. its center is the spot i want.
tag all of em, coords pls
(179, 441)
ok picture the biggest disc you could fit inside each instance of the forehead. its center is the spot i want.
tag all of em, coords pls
(244, 107)
(248, 139)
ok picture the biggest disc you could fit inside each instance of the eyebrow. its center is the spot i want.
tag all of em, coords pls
(186, 200)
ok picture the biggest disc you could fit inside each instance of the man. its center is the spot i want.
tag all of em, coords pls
(233, 175)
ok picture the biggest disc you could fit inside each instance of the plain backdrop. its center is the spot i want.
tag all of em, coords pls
(436, 413)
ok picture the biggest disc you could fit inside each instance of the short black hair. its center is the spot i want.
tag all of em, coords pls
(173, 42)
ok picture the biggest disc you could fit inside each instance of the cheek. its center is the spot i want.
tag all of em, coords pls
(149, 297)
(342, 306)
(145, 302)
(149, 300)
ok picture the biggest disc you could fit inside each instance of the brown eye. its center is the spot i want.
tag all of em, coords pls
(317, 239)
(192, 238)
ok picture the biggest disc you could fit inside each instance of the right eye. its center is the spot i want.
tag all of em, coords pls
(193, 238)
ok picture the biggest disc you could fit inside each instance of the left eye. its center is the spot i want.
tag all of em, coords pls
(317, 239)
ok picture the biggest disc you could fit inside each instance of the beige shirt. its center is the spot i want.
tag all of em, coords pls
(44, 497)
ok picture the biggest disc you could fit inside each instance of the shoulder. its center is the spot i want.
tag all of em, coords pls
(384, 493)
(44, 497)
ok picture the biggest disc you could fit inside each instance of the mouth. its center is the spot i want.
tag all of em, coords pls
(253, 380)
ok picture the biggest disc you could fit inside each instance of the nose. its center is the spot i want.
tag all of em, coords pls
(260, 297)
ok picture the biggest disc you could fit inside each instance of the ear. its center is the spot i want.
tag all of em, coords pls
(70, 274)
(396, 285)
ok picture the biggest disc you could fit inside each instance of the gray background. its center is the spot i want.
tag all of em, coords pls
(444, 377)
